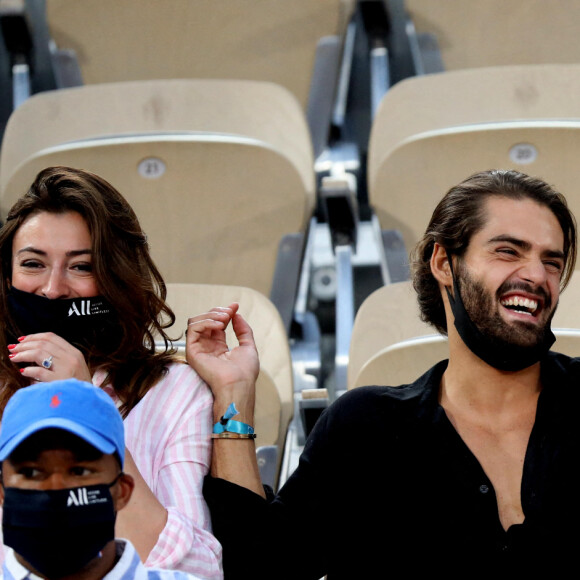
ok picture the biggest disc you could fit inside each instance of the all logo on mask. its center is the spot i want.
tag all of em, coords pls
(80, 321)
(89, 307)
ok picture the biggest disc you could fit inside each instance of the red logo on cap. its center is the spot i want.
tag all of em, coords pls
(54, 401)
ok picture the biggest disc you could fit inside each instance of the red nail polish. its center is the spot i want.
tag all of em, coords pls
(21, 338)
(21, 370)
(11, 346)
(11, 355)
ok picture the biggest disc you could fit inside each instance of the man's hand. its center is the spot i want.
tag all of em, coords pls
(231, 374)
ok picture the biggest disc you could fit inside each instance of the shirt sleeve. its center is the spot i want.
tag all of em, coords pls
(169, 436)
(283, 536)
(295, 534)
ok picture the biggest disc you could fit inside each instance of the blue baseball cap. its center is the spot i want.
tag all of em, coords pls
(72, 405)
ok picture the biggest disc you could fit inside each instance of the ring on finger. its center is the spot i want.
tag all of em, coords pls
(47, 362)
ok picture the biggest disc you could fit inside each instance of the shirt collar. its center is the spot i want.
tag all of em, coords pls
(128, 564)
(15, 570)
(126, 567)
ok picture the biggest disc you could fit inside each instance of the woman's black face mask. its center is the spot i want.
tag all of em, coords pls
(83, 322)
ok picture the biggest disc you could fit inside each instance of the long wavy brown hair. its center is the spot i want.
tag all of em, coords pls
(125, 273)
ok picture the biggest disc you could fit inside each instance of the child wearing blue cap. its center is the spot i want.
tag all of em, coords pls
(62, 451)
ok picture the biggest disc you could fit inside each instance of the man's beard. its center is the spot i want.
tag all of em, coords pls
(483, 309)
(504, 346)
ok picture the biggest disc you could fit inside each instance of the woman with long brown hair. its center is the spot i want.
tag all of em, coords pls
(81, 297)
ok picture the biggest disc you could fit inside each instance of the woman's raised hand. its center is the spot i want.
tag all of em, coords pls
(51, 358)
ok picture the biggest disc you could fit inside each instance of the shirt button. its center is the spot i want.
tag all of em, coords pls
(483, 488)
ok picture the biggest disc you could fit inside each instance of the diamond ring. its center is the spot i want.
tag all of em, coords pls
(47, 362)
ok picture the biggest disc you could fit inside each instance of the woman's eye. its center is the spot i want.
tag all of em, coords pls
(83, 267)
(31, 264)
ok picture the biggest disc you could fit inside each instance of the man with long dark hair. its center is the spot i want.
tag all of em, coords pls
(471, 470)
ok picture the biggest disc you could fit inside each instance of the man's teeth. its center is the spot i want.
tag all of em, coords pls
(518, 302)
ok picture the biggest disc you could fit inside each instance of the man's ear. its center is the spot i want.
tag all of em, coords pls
(124, 490)
(440, 267)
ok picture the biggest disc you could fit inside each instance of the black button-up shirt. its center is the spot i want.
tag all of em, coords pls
(387, 488)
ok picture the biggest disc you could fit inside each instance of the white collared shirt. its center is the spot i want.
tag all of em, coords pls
(128, 567)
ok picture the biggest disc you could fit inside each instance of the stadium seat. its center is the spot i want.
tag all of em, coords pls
(433, 131)
(295, 44)
(391, 345)
(220, 173)
(389, 315)
(275, 393)
(403, 362)
(496, 32)
(568, 313)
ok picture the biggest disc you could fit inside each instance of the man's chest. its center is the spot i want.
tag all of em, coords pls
(429, 485)
(501, 453)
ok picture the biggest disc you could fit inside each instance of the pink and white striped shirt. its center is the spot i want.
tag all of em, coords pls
(168, 434)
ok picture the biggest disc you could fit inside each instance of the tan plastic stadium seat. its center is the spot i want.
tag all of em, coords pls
(431, 132)
(403, 362)
(270, 40)
(500, 32)
(568, 312)
(387, 316)
(217, 171)
(390, 345)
